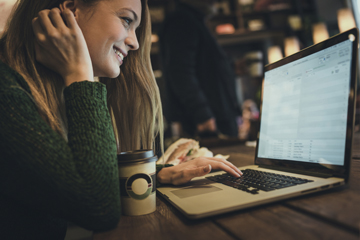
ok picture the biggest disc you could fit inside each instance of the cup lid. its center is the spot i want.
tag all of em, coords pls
(135, 155)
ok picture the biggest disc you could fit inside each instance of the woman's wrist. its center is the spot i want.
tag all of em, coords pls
(78, 77)
(161, 176)
(162, 173)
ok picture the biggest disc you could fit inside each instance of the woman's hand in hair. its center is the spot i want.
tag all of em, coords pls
(200, 166)
(60, 45)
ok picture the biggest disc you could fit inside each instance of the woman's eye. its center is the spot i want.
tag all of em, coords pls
(127, 21)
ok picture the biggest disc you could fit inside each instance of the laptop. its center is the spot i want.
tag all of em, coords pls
(305, 135)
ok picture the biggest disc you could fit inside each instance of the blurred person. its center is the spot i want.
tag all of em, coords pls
(200, 82)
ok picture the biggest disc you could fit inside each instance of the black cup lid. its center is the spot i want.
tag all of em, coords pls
(135, 155)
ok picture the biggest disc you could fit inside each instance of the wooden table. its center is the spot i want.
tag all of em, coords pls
(333, 214)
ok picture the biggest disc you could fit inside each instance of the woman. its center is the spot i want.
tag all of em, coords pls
(61, 129)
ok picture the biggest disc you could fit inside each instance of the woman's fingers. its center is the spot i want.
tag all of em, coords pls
(201, 166)
(225, 167)
(45, 22)
(51, 22)
(38, 30)
(69, 19)
(229, 164)
(56, 19)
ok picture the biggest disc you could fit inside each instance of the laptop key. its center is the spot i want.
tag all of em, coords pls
(252, 181)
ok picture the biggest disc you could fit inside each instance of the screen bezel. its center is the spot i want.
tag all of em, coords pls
(315, 168)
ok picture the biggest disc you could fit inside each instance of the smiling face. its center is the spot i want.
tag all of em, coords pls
(109, 30)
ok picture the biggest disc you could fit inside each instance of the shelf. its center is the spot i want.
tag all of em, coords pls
(290, 11)
(220, 17)
(242, 37)
(252, 14)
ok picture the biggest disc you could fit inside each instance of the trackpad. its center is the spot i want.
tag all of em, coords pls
(195, 190)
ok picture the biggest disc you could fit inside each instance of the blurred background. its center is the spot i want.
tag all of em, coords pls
(254, 33)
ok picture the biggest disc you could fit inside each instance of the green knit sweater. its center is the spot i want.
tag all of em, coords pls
(46, 181)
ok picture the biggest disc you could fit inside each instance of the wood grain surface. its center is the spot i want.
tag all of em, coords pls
(164, 224)
(278, 222)
(340, 206)
(332, 214)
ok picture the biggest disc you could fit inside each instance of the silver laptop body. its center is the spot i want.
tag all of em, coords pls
(306, 128)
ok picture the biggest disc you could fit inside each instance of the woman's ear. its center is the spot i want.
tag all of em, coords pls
(68, 4)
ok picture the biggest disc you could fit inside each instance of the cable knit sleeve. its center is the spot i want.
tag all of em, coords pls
(75, 180)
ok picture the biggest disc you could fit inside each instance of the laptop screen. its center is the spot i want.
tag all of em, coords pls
(305, 106)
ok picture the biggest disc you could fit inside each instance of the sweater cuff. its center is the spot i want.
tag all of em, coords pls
(158, 169)
(86, 88)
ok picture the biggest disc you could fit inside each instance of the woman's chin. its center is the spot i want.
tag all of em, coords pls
(111, 73)
(115, 75)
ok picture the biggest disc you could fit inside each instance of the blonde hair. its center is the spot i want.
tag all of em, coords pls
(133, 97)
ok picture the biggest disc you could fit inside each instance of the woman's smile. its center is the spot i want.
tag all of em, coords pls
(119, 55)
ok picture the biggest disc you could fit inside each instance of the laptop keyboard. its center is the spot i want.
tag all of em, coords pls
(253, 180)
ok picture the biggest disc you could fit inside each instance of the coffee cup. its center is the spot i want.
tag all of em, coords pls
(137, 176)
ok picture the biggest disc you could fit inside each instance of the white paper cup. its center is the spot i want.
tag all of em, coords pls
(137, 173)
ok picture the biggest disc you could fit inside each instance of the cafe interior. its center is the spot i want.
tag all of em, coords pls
(252, 33)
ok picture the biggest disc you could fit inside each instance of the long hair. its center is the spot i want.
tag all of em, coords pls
(133, 97)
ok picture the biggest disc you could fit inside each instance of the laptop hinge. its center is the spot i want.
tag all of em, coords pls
(292, 170)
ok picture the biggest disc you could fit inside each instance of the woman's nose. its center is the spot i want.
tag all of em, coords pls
(132, 41)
